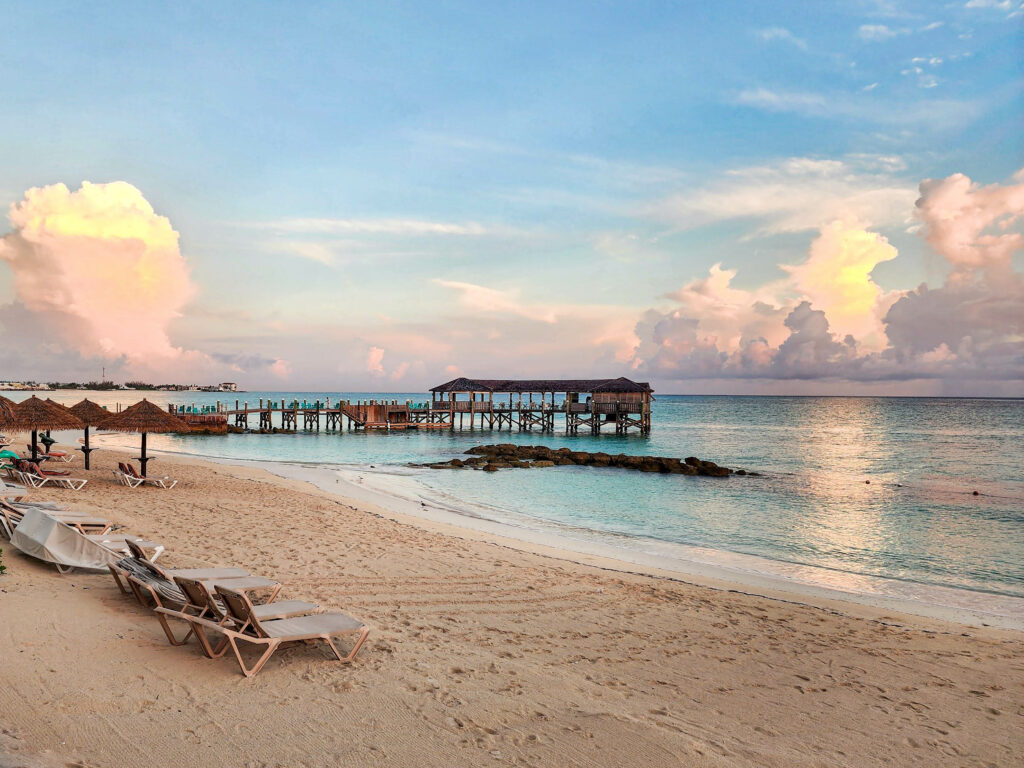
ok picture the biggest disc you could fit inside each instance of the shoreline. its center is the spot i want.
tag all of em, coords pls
(401, 496)
(481, 652)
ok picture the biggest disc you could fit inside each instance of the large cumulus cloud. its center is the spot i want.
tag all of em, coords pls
(829, 319)
(103, 267)
(98, 279)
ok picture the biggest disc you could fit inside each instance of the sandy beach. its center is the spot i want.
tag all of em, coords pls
(482, 653)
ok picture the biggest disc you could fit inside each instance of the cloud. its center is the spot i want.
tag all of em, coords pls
(878, 32)
(480, 299)
(252, 363)
(966, 325)
(933, 115)
(836, 277)
(781, 33)
(973, 226)
(324, 226)
(796, 194)
(783, 101)
(400, 370)
(999, 5)
(103, 266)
(829, 319)
(281, 368)
(375, 361)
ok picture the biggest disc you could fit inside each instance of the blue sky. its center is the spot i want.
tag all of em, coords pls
(344, 172)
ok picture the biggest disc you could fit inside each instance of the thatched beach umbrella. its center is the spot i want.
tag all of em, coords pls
(35, 414)
(91, 415)
(46, 439)
(144, 417)
(6, 412)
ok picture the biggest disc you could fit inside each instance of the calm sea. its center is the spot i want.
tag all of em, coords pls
(857, 486)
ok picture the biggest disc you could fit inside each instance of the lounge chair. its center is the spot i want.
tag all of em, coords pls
(46, 538)
(8, 463)
(37, 478)
(202, 610)
(58, 455)
(12, 514)
(156, 582)
(13, 491)
(249, 628)
(164, 482)
(200, 594)
(28, 464)
(124, 477)
(166, 597)
(118, 542)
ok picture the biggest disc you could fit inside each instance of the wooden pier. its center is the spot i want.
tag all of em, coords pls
(490, 404)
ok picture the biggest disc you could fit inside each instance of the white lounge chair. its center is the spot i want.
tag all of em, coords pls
(37, 478)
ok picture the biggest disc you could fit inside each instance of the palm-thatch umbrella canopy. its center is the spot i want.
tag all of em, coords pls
(91, 415)
(35, 414)
(6, 412)
(144, 417)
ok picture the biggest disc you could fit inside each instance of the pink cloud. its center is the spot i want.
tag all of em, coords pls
(969, 224)
(375, 361)
(837, 322)
(102, 258)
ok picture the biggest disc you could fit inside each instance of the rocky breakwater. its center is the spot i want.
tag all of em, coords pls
(491, 458)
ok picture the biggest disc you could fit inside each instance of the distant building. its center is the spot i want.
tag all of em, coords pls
(228, 386)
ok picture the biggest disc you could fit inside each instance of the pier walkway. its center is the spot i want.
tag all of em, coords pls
(489, 404)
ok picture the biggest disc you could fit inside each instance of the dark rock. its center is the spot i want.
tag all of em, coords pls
(511, 456)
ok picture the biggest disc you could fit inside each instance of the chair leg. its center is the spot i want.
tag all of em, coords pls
(208, 650)
(363, 634)
(117, 580)
(249, 672)
(170, 634)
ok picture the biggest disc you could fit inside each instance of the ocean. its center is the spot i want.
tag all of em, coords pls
(902, 496)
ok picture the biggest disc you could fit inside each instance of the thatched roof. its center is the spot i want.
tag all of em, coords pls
(542, 385)
(6, 411)
(89, 413)
(40, 414)
(144, 416)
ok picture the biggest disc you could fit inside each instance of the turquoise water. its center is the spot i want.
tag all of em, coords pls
(917, 520)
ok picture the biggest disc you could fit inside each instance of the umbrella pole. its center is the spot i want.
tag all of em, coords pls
(35, 454)
(86, 449)
(142, 458)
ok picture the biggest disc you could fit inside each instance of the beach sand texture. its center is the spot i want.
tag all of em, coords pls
(481, 654)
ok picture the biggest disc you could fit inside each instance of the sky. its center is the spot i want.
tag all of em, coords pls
(763, 198)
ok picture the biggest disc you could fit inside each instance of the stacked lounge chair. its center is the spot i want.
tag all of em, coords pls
(12, 513)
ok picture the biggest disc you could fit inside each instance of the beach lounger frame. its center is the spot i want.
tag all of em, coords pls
(157, 579)
(124, 478)
(11, 515)
(132, 473)
(37, 478)
(271, 635)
